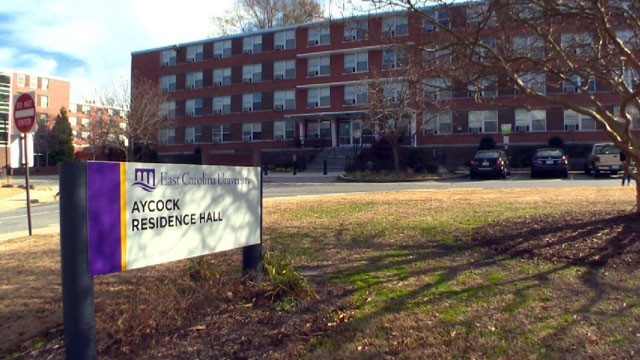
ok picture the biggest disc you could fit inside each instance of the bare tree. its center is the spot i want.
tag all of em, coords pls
(581, 55)
(140, 103)
(252, 15)
(106, 132)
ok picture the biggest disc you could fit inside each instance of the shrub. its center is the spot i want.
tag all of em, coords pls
(556, 142)
(487, 143)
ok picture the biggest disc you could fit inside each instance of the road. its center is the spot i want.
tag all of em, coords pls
(45, 216)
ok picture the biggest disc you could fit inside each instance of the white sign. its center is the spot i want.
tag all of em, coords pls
(146, 214)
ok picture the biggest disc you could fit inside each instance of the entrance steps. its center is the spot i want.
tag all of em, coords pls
(337, 159)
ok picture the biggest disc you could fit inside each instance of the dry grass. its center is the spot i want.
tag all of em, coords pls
(416, 274)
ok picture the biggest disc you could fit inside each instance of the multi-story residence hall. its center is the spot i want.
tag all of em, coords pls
(98, 131)
(300, 88)
(50, 95)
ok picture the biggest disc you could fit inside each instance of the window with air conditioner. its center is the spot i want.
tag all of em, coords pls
(527, 120)
(283, 130)
(285, 40)
(356, 30)
(193, 107)
(195, 53)
(251, 131)
(395, 26)
(167, 136)
(577, 44)
(319, 66)
(485, 121)
(252, 73)
(393, 91)
(168, 83)
(284, 99)
(437, 123)
(484, 87)
(318, 97)
(530, 46)
(221, 133)
(222, 76)
(355, 94)
(356, 62)
(251, 102)
(575, 83)
(168, 57)
(319, 35)
(252, 44)
(284, 69)
(535, 82)
(437, 89)
(222, 105)
(169, 109)
(436, 20)
(194, 80)
(393, 58)
(222, 49)
(633, 115)
(193, 134)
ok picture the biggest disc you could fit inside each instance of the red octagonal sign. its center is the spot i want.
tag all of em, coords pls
(24, 112)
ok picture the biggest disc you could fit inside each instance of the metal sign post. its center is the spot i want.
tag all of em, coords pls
(24, 117)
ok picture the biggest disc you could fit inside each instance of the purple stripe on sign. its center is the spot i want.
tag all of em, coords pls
(103, 207)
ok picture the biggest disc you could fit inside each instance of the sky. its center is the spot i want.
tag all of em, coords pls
(89, 42)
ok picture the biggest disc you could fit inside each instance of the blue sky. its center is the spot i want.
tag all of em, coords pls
(89, 42)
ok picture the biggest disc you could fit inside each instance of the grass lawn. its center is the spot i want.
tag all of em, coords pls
(434, 274)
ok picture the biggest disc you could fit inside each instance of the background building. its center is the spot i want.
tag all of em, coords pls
(299, 89)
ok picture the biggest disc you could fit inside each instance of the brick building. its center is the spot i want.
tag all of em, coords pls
(294, 90)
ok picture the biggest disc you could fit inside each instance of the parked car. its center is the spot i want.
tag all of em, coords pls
(493, 163)
(549, 161)
(604, 157)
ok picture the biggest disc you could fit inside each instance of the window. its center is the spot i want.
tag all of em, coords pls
(485, 87)
(20, 80)
(437, 89)
(437, 55)
(318, 36)
(193, 134)
(85, 122)
(484, 50)
(527, 11)
(319, 130)
(394, 91)
(483, 121)
(284, 69)
(284, 100)
(193, 107)
(252, 73)
(356, 30)
(222, 49)
(629, 77)
(168, 83)
(437, 123)
(86, 109)
(221, 105)
(629, 38)
(167, 136)
(394, 58)
(528, 46)
(632, 112)
(44, 84)
(356, 94)
(478, 15)
(395, 26)
(283, 130)
(356, 62)
(44, 101)
(194, 80)
(221, 133)
(440, 19)
(195, 53)
(531, 120)
(318, 97)
(577, 44)
(73, 121)
(222, 76)
(85, 135)
(575, 83)
(169, 109)
(319, 66)
(575, 121)
(251, 131)
(251, 102)
(285, 40)
(33, 82)
(535, 82)
(252, 44)
(168, 57)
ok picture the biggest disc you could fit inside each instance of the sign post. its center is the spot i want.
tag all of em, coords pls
(24, 117)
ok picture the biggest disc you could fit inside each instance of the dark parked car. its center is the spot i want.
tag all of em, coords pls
(493, 163)
(549, 161)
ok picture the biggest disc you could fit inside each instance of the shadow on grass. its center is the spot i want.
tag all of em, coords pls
(535, 286)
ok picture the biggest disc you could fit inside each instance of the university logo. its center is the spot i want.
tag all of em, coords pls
(145, 179)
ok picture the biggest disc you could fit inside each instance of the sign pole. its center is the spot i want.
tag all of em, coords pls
(26, 181)
(77, 285)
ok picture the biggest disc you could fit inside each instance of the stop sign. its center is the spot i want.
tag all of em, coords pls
(24, 112)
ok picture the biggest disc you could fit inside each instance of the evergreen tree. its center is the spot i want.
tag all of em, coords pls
(61, 139)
